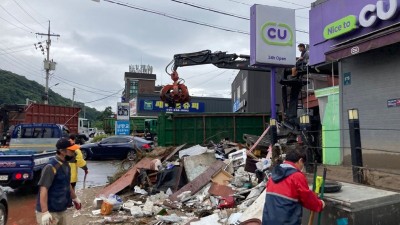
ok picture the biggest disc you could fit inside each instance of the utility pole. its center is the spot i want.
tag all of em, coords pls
(73, 97)
(47, 64)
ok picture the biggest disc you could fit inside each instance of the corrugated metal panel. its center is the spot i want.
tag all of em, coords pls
(200, 128)
(39, 113)
(374, 80)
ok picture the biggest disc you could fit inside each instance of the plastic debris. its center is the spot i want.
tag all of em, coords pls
(170, 219)
(138, 190)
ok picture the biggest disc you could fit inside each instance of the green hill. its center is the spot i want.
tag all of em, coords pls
(15, 89)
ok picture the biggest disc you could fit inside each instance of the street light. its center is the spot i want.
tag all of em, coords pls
(353, 114)
(305, 119)
(305, 122)
(46, 94)
(54, 85)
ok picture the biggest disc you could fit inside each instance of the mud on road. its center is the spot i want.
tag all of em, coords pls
(22, 202)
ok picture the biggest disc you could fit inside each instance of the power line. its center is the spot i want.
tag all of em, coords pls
(211, 9)
(293, 3)
(15, 17)
(104, 97)
(16, 25)
(212, 78)
(28, 14)
(29, 6)
(239, 2)
(11, 52)
(19, 65)
(177, 18)
(89, 91)
(222, 12)
(83, 85)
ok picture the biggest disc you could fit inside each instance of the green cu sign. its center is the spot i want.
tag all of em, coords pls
(340, 27)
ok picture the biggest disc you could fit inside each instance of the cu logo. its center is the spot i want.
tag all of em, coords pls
(355, 50)
(277, 34)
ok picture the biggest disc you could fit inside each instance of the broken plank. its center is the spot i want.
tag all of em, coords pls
(200, 181)
(127, 179)
(177, 149)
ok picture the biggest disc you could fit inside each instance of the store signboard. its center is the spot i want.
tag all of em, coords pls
(122, 111)
(272, 36)
(160, 106)
(122, 127)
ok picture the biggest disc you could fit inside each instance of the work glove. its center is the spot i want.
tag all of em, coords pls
(323, 203)
(86, 172)
(77, 203)
(46, 218)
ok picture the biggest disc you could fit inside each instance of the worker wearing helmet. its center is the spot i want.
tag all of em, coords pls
(78, 161)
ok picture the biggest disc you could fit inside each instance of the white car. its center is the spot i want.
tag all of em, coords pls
(3, 207)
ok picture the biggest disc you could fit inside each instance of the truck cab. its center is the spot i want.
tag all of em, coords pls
(31, 147)
(37, 136)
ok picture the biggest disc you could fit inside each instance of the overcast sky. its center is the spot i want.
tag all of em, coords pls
(99, 40)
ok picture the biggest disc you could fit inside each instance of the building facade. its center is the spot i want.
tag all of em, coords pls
(364, 39)
(138, 83)
(251, 92)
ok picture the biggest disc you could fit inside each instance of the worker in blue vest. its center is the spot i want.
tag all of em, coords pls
(55, 189)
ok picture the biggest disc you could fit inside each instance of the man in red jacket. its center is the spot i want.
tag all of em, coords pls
(288, 192)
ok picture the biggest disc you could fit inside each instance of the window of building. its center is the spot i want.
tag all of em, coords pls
(133, 88)
(244, 89)
(238, 93)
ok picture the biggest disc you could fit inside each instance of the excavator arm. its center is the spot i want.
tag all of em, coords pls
(178, 92)
(221, 60)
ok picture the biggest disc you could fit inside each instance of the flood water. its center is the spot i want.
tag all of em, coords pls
(22, 202)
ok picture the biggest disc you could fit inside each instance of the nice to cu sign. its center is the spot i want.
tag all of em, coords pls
(272, 36)
(367, 16)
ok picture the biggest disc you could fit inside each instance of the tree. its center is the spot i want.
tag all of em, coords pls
(107, 113)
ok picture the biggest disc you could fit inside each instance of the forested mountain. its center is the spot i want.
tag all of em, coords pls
(15, 89)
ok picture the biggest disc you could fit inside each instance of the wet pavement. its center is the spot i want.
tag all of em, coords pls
(22, 202)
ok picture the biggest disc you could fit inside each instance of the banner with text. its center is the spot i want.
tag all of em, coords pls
(160, 106)
(122, 127)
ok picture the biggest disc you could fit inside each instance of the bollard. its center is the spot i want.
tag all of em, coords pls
(355, 145)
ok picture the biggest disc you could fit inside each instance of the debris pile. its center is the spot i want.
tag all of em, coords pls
(220, 183)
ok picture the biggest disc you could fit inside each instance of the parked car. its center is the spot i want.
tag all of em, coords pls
(3, 207)
(116, 147)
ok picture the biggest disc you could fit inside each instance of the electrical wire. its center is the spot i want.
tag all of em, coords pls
(212, 78)
(29, 6)
(211, 9)
(29, 14)
(303, 7)
(66, 80)
(18, 65)
(223, 13)
(79, 88)
(293, 3)
(239, 2)
(16, 25)
(15, 18)
(11, 52)
(105, 97)
(128, 5)
(201, 74)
